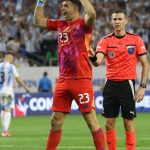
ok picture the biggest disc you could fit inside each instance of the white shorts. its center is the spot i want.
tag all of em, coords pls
(6, 101)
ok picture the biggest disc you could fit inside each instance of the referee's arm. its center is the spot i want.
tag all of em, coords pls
(145, 68)
(144, 76)
(97, 58)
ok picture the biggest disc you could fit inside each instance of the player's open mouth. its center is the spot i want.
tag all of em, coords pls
(117, 26)
(65, 14)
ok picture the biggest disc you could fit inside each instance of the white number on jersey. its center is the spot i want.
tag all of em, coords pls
(2, 75)
(84, 98)
(63, 37)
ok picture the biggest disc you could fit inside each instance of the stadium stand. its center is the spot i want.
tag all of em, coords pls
(38, 47)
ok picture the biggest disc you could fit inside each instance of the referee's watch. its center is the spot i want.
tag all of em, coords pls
(143, 85)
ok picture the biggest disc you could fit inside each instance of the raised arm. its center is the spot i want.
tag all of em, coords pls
(90, 12)
(39, 17)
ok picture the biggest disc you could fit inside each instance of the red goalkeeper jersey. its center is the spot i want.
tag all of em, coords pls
(73, 40)
(121, 55)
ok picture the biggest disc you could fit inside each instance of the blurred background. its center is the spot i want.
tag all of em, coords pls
(38, 47)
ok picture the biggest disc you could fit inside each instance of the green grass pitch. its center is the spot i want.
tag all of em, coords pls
(30, 133)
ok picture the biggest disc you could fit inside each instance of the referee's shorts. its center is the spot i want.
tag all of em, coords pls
(119, 95)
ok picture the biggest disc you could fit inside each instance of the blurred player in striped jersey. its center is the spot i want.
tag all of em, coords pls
(7, 73)
(75, 72)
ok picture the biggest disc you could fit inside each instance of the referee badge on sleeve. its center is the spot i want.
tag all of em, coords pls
(111, 54)
(130, 49)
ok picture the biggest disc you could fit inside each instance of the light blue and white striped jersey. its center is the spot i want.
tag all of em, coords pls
(7, 73)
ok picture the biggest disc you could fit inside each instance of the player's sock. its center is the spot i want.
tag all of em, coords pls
(2, 120)
(130, 140)
(98, 138)
(111, 139)
(6, 120)
(53, 139)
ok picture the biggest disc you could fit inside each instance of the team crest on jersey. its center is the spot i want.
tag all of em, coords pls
(111, 54)
(130, 49)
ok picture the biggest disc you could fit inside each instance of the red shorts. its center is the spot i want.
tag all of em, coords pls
(67, 90)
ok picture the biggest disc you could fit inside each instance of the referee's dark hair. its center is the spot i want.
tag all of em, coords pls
(117, 11)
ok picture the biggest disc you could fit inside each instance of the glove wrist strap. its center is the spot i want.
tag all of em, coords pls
(40, 3)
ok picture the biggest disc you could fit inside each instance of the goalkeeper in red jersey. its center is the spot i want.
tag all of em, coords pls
(122, 51)
(75, 72)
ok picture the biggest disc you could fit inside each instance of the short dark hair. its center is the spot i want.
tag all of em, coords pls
(117, 11)
(45, 73)
(76, 2)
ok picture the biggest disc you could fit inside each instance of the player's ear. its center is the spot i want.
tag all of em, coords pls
(126, 21)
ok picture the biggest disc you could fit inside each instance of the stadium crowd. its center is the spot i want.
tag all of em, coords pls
(35, 46)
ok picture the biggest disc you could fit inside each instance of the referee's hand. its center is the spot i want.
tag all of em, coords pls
(139, 94)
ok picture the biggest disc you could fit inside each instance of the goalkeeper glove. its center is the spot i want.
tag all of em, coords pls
(40, 3)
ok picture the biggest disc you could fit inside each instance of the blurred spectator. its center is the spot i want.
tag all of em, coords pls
(13, 43)
(2, 43)
(21, 61)
(45, 84)
(29, 43)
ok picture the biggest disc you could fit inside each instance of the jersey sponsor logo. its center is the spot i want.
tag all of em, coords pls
(111, 54)
(130, 49)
